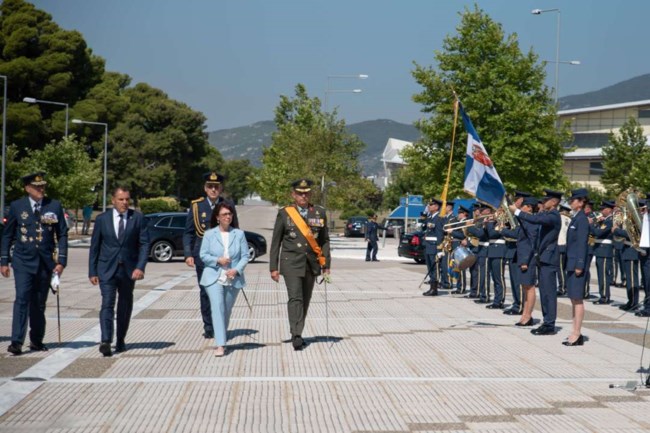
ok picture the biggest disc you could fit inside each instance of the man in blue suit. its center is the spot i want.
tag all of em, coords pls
(601, 230)
(372, 237)
(37, 226)
(119, 250)
(433, 234)
(197, 222)
(548, 256)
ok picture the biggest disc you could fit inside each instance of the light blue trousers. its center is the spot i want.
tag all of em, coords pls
(222, 299)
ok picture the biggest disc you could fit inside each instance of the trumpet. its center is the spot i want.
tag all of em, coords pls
(466, 223)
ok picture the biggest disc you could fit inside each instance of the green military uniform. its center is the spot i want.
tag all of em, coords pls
(292, 255)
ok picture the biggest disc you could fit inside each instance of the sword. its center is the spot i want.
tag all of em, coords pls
(54, 286)
(250, 308)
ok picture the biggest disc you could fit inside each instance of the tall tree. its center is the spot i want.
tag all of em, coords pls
(238, 173)
(626, 159)
(503, 92)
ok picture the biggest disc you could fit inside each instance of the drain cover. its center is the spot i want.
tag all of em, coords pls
(29, 379)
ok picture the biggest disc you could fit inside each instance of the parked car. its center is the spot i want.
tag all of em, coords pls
(166, 237)
(411, 245)
(355, 226)
(391, 225)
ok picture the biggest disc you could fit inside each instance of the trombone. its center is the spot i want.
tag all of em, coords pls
(466, 223)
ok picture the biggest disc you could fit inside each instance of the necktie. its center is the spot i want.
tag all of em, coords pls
(37, 211)
(121, 227)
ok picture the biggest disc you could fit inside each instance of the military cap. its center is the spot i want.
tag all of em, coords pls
(549, 193)
(523, 194)
(433, 200)
(213, 177)
(565, 206)
(36, 179)
(302, 185)
(463, 209)
(450, 202)
(643, 203)
(530, 201)
(579, 193)
(608, 204)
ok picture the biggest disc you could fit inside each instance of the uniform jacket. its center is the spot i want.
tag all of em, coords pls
(576, 242)
(35, 240)
(371, 231)
(526, 235)
(196, 224)
(290, 252)
(497, 248)
(550, 224)
(628, 253)
(602, 231)
(106, 250)
(481, 234)
(433, 228)
(212, 248)
(457, 236)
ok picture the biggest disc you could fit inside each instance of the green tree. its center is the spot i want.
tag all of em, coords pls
(503, 92)
(626, 159)
(238, 173)
(307, 143)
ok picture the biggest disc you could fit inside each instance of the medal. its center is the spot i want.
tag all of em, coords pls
(299, 245)
(24, 215)
(292, 235)
(23, 238)
(23, 230)
(203, 215)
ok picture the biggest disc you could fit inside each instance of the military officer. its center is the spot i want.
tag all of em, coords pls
(444, 260)
(37, 226)
(300, 251)
(548, 256)
(496, 263)
(433, 235)
(589, 211)
(197, 222)
(479, 231)
(458, 239)
(601, 230)
(511, 236)
(372, 229)
(474, 247)
(630, 269)
(645, 259)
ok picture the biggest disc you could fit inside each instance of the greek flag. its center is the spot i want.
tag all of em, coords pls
(481, 178)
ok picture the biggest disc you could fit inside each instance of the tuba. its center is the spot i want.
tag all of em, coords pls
(629, 217)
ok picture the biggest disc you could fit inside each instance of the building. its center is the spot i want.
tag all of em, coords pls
(392, 159)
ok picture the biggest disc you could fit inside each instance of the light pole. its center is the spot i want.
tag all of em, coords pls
(328, 90)
(557, 45)
(4, 144)
(105, 125)
(40, 101)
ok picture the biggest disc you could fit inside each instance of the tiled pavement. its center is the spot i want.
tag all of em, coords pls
(392, 361)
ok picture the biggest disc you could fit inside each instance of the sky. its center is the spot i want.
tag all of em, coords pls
(232, 59)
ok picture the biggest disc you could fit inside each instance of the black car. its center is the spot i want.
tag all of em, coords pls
(166, 237)
(411, 245)
(355, 226)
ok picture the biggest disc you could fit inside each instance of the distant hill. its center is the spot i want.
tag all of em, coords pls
(634, 89)
(246, 142)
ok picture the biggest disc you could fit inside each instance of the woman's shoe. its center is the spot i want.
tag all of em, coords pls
(529, 323)
(219, 351)
(578, 342)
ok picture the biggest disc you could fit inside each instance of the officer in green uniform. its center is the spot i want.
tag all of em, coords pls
(293, 256)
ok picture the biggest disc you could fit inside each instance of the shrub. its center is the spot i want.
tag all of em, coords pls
(158, 204)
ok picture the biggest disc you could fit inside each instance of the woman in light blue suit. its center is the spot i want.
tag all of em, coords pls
(225, 253)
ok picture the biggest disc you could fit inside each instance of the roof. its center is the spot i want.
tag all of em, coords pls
(582, 153)
(604, 107)
(392, 151)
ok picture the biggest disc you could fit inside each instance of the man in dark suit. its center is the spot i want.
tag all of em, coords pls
(197, 222)
(37, 226)
(298, 262)
(119, 250)
(601, 230)
(548, 256)
(433, 235)
(372, 237)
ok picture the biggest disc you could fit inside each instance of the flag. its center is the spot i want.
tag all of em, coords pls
(481, 178)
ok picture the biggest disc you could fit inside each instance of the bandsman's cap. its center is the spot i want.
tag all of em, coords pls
(450, 202)
(608, 204)
(549, 193)
(433, 200)
(530, 201)
(213, 177)
(302, 185)
(523, 194)
(36, 179)
(463, 209)
(579, 193)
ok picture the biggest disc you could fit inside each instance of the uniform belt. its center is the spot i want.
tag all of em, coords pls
(604, 241)
(497, 241)
(484, 244)
(430, 238)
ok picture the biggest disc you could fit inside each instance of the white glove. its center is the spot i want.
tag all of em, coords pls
(54, 282)
(440, 255)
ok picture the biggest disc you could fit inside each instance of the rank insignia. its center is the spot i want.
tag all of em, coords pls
(292, 235)
(24, 215)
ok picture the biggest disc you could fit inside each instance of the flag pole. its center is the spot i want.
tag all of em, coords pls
(443, 197)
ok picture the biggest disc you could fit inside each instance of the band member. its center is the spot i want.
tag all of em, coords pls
(474, 247)
(630, 257)
(300, 251)
(459, 239)
(37, 226)
(548, 257)
(511, 236)
(645, 258)
(618, 249)
(433, 235)
(601, 230)
(446, 257)
(496, 263)
(197, 222)
(479, 231)
(588, 210)
(565, 215)
(577, 261)
(119, 250)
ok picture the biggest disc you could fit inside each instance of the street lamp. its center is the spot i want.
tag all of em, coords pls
(40, 101)
(4, 144)
(328, 90)
(105, 125)
(557, 45)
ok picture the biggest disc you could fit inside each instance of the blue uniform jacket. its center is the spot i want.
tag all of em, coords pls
(497, 248)
(196, 224)
(371, 230)
(433, 227)
(106, 251)
(550, 224)
(35, 240)
(481, 234)
(628, 252)
(212, 248)
(602, 231)
(577, 238)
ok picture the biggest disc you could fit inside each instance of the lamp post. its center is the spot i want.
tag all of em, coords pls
(105, 125)
(40, 101)
(557, 45)
(328, 90)
(4, 144)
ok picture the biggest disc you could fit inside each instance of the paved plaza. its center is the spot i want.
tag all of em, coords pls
(381, 358)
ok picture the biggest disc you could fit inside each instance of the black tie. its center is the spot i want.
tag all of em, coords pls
(37, 211)
(121, 227)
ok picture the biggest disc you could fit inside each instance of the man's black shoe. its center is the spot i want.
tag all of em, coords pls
(208, 334)
(367, 260)
(105, 348)
(512, 312)
(455, 292)
(470, 296)
(375, 260)
(494, 307)
(38, 347)
(643, 313)
(543, 330)
(601, 301)
(120, 346)
(297, 342)
(561, 293)
(627, 307)
(481, 301)
(15, 348)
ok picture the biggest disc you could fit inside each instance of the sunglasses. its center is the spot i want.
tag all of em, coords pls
(212, 186)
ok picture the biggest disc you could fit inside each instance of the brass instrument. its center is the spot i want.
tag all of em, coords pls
(450, 227)
(629, 218)
(473, 240)
(504, 215)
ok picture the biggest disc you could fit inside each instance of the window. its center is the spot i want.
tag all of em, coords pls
(178, 221)
(164, 222)
(596, 168)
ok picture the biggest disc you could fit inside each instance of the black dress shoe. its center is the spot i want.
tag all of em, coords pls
(120, 346)
(367, 260)
(494, 307)
(15, 348)
(375, 260)
(38, 347)
(481, 301)
(579, 342)
(297, 342)
(105, 348)
(455, 292)
(470, 296)
(529, 323)
(512, 312)
(543, 330)
(626, 307)
(561, 293)
(601, 301)
(208, 334)
(643, 313)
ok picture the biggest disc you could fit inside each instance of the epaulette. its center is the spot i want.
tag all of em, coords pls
(198, 200)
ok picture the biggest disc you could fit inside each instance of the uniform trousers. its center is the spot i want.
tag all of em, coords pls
(473, 279)
(299, 290)
(371, 250)
(605, 270)
(548, 293)
(483, 278)
(206, 313)
(630, 270)
(222, 299)
(31, 297)
(587, 275)
(444, 271)
(515, 286)
(561, 275)
(120, 286)
(645, 266)
(496, 270)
